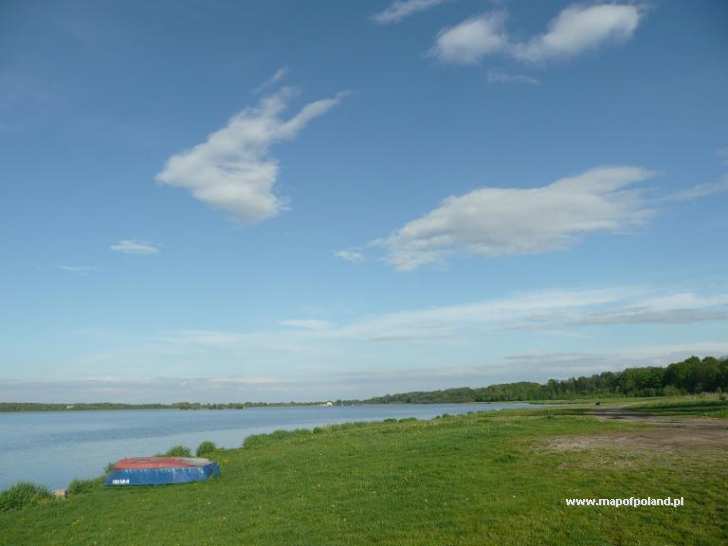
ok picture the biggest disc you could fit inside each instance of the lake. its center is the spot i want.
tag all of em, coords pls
(52, 448)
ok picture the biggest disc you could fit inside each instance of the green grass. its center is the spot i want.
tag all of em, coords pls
(469, 480)
(22, 495)
(693, 406)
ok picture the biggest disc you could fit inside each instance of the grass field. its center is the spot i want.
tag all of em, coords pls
(471, 480)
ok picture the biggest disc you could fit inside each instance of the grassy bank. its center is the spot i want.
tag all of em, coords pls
(472, 480)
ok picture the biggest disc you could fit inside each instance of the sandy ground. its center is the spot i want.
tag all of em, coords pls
(662, 434)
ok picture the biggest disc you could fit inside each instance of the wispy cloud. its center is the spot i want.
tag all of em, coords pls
(544, 310)
(128, 246)
(353, 256)
(233, 170)
(495, 76)
(553, 310)
(276, 374)
(78, 269)
(575, 30)
(306, 324)
(401, 9)
(500, 221)
(700, 190)
(327, 383)
(276, 78)
(211, 338)
(679, 308)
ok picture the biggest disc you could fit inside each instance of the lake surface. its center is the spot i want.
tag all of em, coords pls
(52, 448)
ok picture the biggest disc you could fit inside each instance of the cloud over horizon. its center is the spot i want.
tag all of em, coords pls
(326, 384)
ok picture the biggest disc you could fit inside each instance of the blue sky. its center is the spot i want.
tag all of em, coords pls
(275, 200)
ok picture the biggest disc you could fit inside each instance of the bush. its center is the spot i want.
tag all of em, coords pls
(23, 494)
(178, 451)
(205, 447)
(77, 487)
(670, 390)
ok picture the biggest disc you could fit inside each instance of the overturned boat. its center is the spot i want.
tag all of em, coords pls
(161, 470)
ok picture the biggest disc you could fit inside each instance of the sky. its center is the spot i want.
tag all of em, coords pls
(269, 201)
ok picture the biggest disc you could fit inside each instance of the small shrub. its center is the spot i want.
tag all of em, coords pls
(77, 487)
(109, 468)
(318, 430)
(412, 419)
(390, 420)
(205, 447)
(280, 434)
(23, 494)
(178, 451)
(253, 439)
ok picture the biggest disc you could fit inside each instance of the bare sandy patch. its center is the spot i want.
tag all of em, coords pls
(665, 435)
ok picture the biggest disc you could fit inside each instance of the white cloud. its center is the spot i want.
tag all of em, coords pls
(679, 308)
(446, 321)
(210, 338)
(277, 77)
(501, 221)
(306, 324)
(548, 310)
(471, 40)
(700, 190)
(495, 76)
(135, 247)
(353, 256)
(400, 9)
(545, 310)
(431, 347)
(574, 30)
(232, 170)
(80, 269)
(581, 28)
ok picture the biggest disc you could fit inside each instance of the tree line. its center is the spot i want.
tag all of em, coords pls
(691, 376)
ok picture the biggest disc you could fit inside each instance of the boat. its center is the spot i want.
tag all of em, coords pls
(161, 470)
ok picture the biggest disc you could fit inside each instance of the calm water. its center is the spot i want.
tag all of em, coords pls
(53, 448)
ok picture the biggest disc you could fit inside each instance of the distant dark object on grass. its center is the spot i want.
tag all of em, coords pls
(23, 494)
